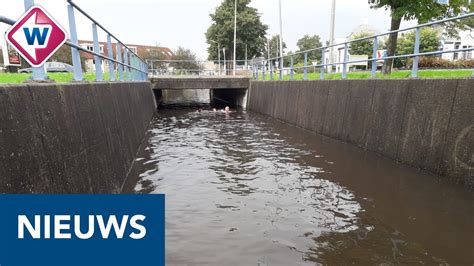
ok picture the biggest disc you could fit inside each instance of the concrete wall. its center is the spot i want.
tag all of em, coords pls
(426, 123)
(75, 138)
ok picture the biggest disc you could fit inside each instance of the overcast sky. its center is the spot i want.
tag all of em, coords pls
(174, 23)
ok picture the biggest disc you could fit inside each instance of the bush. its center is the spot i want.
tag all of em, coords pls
(439, 63)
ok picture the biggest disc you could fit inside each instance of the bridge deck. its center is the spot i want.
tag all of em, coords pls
(199, 82)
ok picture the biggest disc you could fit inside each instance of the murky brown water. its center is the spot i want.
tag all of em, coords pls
(246, 189)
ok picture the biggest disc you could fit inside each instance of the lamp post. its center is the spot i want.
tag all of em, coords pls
(218, 55)
(225, 65)
(281, 41)
(235, 36)
(331, 34)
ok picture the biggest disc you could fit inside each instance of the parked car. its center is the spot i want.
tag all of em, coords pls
(51, 67)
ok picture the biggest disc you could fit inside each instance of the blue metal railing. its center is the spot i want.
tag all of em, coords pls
(130, 66)
(261, 66)
(135, 67)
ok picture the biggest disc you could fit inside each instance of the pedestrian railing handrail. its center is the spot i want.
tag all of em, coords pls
(130, 66)
(345, 61)
(163, 67)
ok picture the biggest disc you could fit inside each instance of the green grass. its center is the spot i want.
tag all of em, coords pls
(57, 77)
(457, 73)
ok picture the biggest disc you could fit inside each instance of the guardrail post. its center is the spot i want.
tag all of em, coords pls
(130, 63)
(271, 69)
(416, 59)
(305, 76)
(76, 56)
(125, 61)
(344, 62)
(97, 60)
(39, 73)
(263, 70)
(374, 58)
(321, 76)
(280, 77)
(132, 71)
(119, 58)
(292, 71)
(111, 55)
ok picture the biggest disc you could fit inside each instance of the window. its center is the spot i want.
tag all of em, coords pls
(133, 49)
(90, 47)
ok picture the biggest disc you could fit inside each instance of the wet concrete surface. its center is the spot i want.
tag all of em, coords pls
(247, 189)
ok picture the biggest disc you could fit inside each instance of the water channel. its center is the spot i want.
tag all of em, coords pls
(247, 189)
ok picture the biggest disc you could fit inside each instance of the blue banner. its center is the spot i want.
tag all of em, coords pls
(82, 230)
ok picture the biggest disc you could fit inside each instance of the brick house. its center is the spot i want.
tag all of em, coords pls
(142, 51)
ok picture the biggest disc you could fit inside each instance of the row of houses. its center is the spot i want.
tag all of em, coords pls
(144, 51)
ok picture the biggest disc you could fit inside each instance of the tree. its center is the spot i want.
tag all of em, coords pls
(185, 59)
(306, 43)
(429, 42)
(64, 55)
(274, 45)
(365, 47)
(155, 53)
(250, 31)
(422, 10)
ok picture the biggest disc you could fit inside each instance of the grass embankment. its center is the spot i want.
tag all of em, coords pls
(401, 74)
(57, 77)
(457, 73)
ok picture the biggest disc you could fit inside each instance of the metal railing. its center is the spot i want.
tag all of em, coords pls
(197, 68)
(261, 66)
(128, 64)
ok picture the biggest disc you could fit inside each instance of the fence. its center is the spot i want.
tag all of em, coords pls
(127, 63)
(197, 67)
(261, 66)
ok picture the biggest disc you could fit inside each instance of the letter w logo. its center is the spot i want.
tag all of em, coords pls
(36, 35)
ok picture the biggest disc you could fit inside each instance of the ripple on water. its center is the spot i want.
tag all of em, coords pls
(239, 194)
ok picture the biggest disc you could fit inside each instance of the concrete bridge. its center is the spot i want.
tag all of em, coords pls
(199, 82)
(225, 90)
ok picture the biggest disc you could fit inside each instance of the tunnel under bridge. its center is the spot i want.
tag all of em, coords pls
(230, 91)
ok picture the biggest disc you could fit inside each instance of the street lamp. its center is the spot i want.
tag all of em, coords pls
(281, 41)
(218, 55)
(225, 66)
(235, 35)
(331, 34)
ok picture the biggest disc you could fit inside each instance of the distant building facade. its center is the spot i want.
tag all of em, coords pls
(142, 50)
(464, 40)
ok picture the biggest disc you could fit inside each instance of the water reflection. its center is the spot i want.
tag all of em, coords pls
(244, 189)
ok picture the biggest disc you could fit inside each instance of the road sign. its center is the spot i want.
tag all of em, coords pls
(36, 36)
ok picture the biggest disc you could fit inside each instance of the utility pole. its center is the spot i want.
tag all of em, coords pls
(235, 37)
(331, 34)
(281, 38)
(218, 54)
(225, 65)
(246, 56)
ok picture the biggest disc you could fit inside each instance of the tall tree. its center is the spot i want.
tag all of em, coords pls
(421, 10)
(429, 42)
(365, 47)
(250, 31)
(185, 60)
(155, 53)
(306, 43)
(273, 45)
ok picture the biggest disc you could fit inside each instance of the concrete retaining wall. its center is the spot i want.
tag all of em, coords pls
(426, 123)
(75, 138)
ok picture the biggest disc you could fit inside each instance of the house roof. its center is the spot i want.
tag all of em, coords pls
(141, 49)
